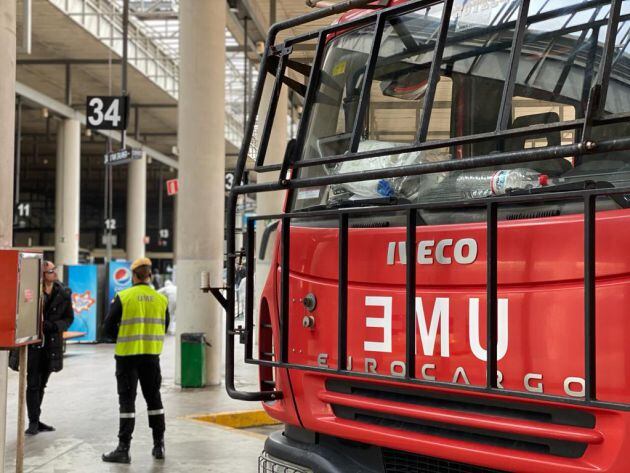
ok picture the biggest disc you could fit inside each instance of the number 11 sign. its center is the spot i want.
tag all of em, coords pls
(107, 113)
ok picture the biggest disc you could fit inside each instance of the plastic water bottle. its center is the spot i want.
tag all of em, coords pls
(365, 189)
(479, 184)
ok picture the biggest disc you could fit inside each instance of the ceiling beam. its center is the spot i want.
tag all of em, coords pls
(138, 105)
(157, 15)
(254, 13)
(235, 27)
(308, 47)
(65, 62)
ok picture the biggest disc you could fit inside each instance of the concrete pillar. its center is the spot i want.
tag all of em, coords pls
(59, 178)
(270, 202)
(136, 207)
(200, 201)
(7, 124)
(68, 192)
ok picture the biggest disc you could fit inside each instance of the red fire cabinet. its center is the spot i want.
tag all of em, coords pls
(20, 298)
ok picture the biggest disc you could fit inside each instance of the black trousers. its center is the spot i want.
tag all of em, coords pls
(146, 370)
(38, 372)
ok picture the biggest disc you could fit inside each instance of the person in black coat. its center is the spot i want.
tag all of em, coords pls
(48, 357)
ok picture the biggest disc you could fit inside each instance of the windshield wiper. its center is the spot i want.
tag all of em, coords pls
(379, 201)
(622, 200)
(564, 187)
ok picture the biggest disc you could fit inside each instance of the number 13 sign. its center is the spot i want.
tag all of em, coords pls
(107, 113)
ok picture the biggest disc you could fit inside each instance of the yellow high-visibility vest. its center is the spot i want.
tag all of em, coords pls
(142, 328)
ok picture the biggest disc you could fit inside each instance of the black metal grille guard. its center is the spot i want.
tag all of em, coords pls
(593, 116)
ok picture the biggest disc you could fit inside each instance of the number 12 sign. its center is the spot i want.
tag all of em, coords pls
(107, 113)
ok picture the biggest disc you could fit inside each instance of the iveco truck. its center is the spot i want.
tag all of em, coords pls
(450, 280)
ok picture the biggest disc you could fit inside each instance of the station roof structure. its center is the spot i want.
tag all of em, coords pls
(76, 50)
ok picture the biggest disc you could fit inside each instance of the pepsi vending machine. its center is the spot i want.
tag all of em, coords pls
(117, 278)
(83, 281)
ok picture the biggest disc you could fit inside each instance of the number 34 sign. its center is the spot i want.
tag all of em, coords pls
(107, 113)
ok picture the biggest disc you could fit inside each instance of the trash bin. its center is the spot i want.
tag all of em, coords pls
(193, 360)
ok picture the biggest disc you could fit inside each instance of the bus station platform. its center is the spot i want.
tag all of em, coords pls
(81, 403)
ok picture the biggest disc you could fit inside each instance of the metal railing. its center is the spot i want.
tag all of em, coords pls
(491, 206)
(103, 19)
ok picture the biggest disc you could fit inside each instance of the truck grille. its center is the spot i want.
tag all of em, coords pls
(269, 464)
(402, 462)
(513, 440)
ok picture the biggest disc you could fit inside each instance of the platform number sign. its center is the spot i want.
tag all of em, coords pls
(229, 181)
(24, 210)
(164, 235)
(107, 113)
(22, 215)
(110, 224)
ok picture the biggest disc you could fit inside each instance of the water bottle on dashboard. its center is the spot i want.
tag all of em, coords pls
(479, 184)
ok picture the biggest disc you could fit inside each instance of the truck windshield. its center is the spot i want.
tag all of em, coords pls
(555, 70)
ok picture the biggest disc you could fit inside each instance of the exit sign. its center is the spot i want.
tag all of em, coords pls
(172, 186)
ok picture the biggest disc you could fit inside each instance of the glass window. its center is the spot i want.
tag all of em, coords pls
(618, 99)
(557, 66)
(341, 79)
(396, 97)
(561, 54)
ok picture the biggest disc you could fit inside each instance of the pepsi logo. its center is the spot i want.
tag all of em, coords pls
(122, 277)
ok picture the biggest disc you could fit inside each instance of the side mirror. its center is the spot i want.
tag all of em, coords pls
(289, 151)
(264, 241)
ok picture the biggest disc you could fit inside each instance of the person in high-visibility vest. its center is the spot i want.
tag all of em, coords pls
(138, 319)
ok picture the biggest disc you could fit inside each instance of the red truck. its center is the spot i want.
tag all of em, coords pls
(450, 281)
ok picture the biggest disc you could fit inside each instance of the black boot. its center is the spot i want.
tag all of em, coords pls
(158, 450)
(156, 422)
(45, 428)
(120, 455)
(33, 428)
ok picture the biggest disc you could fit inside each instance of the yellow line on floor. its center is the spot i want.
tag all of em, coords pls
(244, 419)
(238, 419)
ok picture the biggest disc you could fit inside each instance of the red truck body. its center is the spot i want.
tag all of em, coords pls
(540, 267)
(378, 411)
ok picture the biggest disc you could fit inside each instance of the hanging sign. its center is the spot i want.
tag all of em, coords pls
(22, 215)
(123, 156)
(24, 209)
(164, 235)
(107, 113)
(172, 186)
(110, 224)
(229, 181)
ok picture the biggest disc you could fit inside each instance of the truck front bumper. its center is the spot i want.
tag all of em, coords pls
(300, 451)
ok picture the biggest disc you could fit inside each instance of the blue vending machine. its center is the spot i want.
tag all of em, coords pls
(83, 281)
(115, 277)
